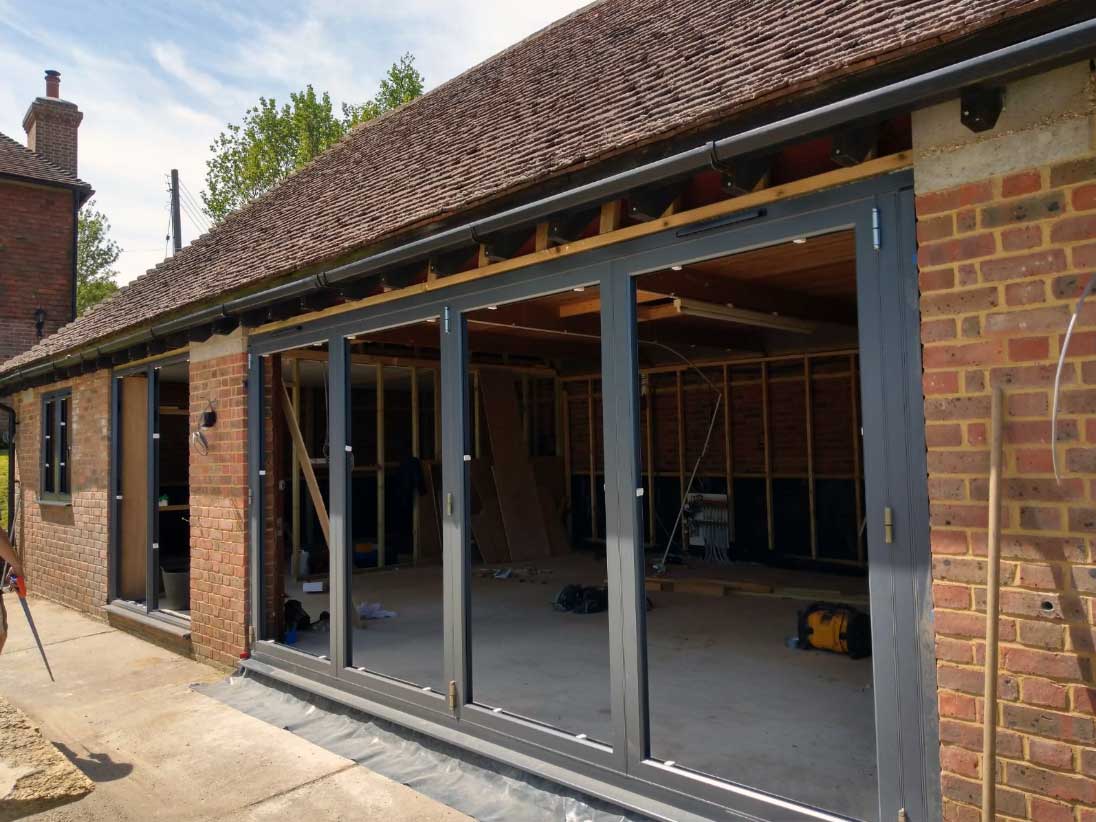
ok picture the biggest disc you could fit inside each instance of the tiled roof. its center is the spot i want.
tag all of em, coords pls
(16, 160)
(612, 76)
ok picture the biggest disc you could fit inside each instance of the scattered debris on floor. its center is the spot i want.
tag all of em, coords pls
(374, 610)
(529, 573)
(34, 775)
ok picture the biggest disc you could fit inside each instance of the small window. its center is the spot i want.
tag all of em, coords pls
(56, 484)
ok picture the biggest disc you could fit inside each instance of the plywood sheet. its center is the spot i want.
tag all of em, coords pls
(519, 501)
(133, 533)
(487, 526)
(430, 515)
(550, 488)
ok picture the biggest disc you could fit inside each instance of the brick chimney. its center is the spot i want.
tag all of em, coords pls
(51, 124)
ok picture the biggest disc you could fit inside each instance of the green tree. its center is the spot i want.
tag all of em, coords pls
(272, 141)
(96, 254)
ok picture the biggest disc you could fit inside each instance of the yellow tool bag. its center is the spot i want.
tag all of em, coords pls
(829, 626)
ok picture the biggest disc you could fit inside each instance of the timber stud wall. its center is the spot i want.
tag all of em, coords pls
(64, 547)
(1002, 263)
(218, 511)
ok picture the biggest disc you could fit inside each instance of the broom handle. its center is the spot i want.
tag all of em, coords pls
(993, 581)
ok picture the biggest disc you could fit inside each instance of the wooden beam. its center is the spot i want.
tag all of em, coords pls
(540, 240)
(312, 355)
(768, 453)
(566, 400)
(808, 396)
(609, 220)
(593, 456)
(416, 547)
(593, 305)
(650, 446)
(818, 182)
(306, 465)
(381, 541)
(855, 415)
(477, 431)
(728, 452)
(679, 382)
(295, 480)
(682, 307)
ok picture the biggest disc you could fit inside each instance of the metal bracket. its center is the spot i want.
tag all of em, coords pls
(888, 525)
(453, 695)
(876, 230)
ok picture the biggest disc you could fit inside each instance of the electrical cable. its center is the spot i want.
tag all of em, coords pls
(1088, 289)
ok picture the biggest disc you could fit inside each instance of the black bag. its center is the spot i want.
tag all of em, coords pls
(296, 616)
(593, 601)
(568, 598)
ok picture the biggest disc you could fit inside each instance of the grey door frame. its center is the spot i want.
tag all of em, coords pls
(151, 370)
(880, 212)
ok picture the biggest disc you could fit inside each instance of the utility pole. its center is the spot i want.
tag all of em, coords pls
(176, 218)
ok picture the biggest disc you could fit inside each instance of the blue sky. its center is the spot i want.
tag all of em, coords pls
(158, 81)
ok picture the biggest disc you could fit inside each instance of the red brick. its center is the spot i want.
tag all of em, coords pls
(1022, 182)
(950, 596)
(1044, 810)
(1040, 207)
(1024, 349)
(954, 198)
(941, 382)
(1048, 783)
(935, 228)
(1025, 293)
(937, 330)
(1074, 229)
(1021, 238)
(958, 249)
(1036, 264)
(988, 352)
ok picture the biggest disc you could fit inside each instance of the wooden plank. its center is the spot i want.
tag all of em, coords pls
(566, 401)
(682, 307)
(650, 447)
(430, 515)
(549, 477)
(295, 479)
(487, 524)
(415, 452)
(609, 219)
(593, 304)
(133, 527)
(306, 465)
(681, 452)
(855, 392)
(728, 452)
(540, 242)
(382, 557)
(313, 355)
(818, 182)
(768, 453)
(592, 451)
(808, 403)
(525, 533)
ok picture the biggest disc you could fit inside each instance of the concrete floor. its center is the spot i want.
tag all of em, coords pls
(727, 697)
(122, 710)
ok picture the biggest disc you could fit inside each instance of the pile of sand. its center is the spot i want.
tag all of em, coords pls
(34, 775)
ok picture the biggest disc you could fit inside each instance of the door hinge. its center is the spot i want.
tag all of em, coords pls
(453, 695)
(449, 505)
(902, 817)
(445, 318)
(876, 230)
(251, 634)
(888, 525)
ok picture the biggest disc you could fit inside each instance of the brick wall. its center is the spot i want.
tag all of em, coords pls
(35, 262)
(1002, 262)
(64, 548)
(218, 506)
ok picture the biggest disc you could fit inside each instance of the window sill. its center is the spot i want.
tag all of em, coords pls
(56, 503)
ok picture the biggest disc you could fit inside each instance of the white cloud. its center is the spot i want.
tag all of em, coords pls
(155, 96)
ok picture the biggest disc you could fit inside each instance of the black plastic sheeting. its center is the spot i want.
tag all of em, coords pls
(474, 785)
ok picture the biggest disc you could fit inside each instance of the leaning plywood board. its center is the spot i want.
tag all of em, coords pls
(519, 500)
(429, 515)
(549, 476)
(487, 525)
(133, 528)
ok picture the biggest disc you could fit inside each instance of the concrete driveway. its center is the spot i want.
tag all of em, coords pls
(122, 710)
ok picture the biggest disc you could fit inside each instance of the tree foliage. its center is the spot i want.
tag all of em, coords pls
(272, 141)
(96, 254)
